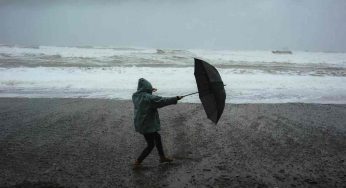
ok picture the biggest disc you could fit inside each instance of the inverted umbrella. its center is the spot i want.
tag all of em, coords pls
(210, 89)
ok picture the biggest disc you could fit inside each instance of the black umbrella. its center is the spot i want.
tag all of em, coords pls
(210, 88)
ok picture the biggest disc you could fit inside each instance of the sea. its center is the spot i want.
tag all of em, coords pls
(107, 72)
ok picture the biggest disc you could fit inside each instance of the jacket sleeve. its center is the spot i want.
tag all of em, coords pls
(159, 102)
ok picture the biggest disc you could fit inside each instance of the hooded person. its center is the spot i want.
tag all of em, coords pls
(146, 118)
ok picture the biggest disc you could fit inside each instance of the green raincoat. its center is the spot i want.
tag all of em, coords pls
(146, 116)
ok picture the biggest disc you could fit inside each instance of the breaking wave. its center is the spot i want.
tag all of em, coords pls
(301, 63)
(111, 72)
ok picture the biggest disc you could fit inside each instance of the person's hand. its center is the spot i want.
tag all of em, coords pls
(179, 97)
(154, 89)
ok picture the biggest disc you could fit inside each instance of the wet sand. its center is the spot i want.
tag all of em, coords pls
(92, 143)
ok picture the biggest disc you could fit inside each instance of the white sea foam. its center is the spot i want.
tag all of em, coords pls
(121, 82)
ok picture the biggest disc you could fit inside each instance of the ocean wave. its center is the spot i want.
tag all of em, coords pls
(120, 82)
(16, 51)
(112, 56)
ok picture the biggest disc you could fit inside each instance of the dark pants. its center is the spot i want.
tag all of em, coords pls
(153, 139)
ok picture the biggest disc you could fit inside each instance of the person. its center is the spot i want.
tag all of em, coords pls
(146, 118)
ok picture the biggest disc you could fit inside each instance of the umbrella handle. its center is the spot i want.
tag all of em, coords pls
(193, 93)
(190, 94)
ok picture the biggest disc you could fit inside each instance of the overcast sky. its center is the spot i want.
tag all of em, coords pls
(317, 25)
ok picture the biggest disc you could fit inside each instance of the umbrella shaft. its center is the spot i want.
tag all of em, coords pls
(190, 94)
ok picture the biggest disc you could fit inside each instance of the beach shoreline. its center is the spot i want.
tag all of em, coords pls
(92, 143)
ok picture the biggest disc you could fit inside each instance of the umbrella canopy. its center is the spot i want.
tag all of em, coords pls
(211, 89)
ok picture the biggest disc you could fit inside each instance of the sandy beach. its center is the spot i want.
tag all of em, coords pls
(92, 143)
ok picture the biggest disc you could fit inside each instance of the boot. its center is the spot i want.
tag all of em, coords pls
(136, 165)
(165, 160)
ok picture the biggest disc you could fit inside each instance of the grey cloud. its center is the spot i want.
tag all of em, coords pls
(225, 24)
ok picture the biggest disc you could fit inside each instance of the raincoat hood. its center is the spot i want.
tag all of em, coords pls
(144, 86)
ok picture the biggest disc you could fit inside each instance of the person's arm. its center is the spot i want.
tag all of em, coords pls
(159, 102)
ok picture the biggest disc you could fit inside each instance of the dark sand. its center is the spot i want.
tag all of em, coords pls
(92, 143)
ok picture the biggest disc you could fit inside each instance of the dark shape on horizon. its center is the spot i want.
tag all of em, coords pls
(282, 52)
(211, 89)
(159, 51)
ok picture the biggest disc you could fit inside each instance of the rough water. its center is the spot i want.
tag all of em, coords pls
(108, 72)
